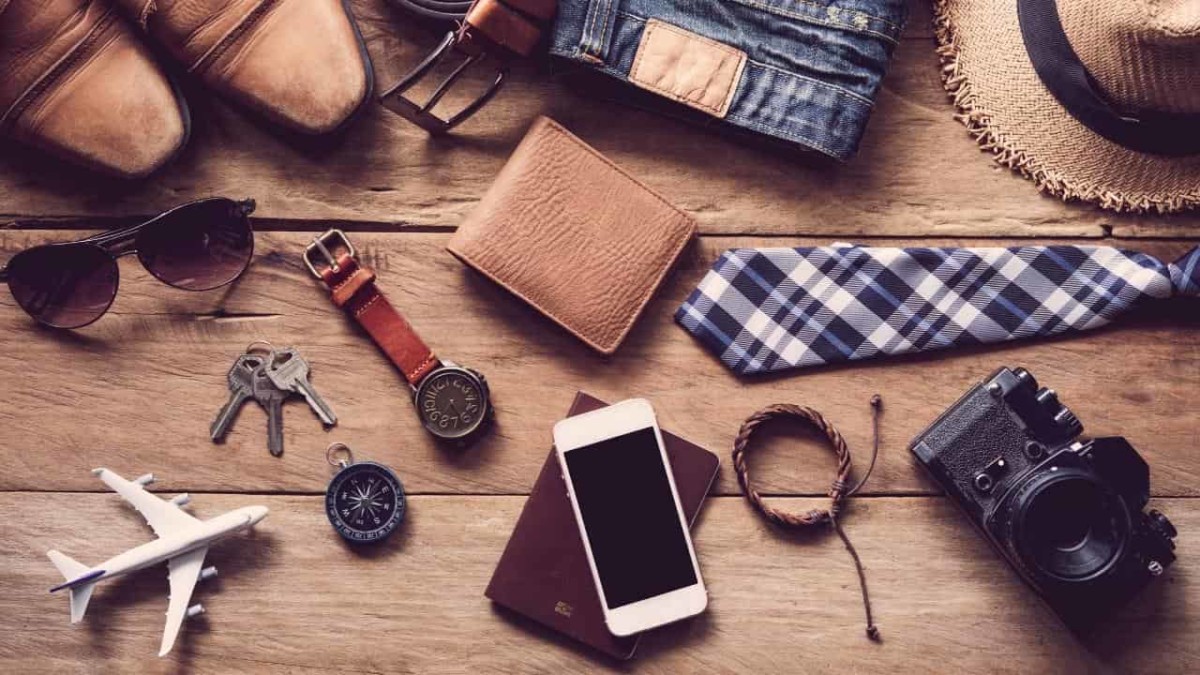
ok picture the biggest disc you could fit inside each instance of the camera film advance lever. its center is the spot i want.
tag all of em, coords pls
(1067, 514)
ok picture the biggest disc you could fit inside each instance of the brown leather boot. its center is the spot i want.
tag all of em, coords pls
(301, 63)
(77, 83)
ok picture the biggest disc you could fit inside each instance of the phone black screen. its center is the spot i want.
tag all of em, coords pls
(630, 517)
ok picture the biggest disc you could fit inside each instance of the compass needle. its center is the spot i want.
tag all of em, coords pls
(365, 501)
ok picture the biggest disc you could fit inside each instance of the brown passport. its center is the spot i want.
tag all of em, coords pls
(544, 574)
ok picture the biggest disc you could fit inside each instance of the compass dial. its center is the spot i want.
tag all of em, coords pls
(365, 502)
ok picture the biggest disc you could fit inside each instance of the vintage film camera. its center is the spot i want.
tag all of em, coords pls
(1066, 514)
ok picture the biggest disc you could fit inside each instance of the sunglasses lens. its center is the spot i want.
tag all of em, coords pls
(198, 247)
(64, 286)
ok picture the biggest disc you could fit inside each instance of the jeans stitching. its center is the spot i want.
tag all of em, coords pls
(594, 44)
(776, 131)
(604, 30)
(762, 6)
(820, 83)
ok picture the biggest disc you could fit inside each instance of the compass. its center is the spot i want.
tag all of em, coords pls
(365, 500)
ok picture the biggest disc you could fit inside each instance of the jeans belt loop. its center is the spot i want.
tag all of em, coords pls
(597, 27)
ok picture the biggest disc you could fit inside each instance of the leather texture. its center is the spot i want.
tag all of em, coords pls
(574, 235)
(687, 68)
(79, 84)
(352, 287)
(544, 574)
(513, 25)
(980, 431)
(300, 63)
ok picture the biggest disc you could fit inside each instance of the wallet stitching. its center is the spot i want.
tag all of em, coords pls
(689, 231)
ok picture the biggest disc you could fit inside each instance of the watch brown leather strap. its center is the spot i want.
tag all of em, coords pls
(352, 287)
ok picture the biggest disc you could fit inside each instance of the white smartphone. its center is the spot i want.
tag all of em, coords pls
(620, 484)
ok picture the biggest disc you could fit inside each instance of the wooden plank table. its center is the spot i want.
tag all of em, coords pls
(136, 392)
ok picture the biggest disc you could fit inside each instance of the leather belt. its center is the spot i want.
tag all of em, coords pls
(436, 10)
(505, 29)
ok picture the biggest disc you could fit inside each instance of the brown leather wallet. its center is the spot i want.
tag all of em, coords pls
(574, 235)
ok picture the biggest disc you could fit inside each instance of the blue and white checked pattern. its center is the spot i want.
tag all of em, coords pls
(771, 309)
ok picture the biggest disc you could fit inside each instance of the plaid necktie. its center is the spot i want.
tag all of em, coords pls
(771, 309)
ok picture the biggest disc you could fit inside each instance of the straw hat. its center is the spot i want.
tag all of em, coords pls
(1096, 100)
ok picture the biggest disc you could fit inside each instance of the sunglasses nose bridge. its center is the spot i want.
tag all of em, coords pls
(121, 245)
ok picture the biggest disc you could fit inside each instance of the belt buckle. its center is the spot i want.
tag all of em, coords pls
(421, 114)
(319, 244)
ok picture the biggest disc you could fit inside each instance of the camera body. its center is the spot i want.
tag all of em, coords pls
(1068, 515)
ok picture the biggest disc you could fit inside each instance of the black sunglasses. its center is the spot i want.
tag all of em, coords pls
(196, 247)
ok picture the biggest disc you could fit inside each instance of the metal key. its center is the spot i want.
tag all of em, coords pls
(241, 389)
(289, 372)
(271, 399)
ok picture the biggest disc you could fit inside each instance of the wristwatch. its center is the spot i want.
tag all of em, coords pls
(453, 402)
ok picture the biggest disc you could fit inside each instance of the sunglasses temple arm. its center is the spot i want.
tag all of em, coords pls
(3, 273)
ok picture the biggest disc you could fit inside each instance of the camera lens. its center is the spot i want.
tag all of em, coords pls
(1070, 526)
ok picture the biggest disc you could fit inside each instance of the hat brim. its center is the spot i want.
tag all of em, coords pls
(1008, 110)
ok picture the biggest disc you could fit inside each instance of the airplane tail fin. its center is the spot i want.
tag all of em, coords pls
(68, 566)
(76, 576)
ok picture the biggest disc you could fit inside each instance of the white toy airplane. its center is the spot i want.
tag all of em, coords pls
(182, 542)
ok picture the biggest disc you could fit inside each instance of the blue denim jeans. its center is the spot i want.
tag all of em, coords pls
(804, 71)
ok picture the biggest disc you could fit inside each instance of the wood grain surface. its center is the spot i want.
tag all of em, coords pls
(158, 360)
(136, 393)
(290, 597)
(918, 172)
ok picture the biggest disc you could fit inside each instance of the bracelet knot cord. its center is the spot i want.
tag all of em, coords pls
(838, 491)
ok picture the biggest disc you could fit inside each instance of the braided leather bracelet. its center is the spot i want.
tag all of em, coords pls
(837, 491)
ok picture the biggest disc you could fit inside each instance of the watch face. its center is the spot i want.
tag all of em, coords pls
(365, 502)
(452, 402)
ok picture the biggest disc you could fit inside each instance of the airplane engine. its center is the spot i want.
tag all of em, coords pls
(144, 480)
(208, 573)
(195, 610)
(181, 500)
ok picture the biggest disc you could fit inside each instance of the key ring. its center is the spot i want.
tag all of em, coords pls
(261, 346)
(333, 449)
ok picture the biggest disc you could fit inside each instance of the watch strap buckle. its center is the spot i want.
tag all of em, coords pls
(324, 245)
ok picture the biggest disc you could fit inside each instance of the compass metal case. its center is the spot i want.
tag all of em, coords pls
(365, 502)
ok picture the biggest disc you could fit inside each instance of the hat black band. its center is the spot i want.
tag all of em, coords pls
(1151, 131)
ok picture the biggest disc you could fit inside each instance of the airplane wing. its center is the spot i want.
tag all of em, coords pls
(163, 516)
(184, 571)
